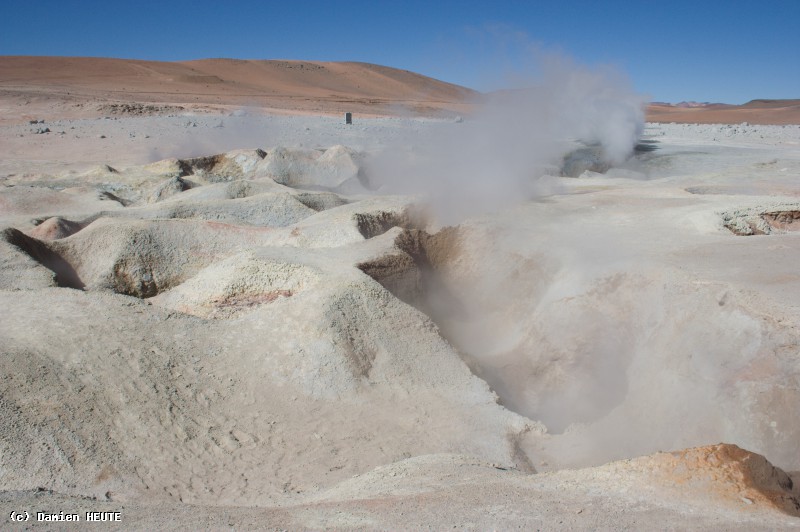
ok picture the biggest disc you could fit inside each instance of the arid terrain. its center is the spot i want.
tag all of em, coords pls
(224, 307)
(78, 84)
(775, 112)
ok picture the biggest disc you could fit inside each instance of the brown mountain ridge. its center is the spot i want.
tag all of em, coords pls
(288, 86)
(312, 86)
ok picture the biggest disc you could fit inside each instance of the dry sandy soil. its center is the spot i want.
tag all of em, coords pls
(213, 317)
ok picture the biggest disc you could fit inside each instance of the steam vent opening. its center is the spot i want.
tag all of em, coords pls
(549, 368)
(430, 276)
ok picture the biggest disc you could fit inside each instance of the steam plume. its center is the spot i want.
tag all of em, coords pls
(503, 153)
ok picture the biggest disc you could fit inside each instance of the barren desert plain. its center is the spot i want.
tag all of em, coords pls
(224, 307)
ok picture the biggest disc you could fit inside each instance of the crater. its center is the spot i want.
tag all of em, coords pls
(222, 167)
(762, 222)
(482, 298)
(65, 274)
(412, 272)
(375, 224)
(783, 220)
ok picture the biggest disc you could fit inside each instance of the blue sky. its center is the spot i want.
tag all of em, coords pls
(672, 50)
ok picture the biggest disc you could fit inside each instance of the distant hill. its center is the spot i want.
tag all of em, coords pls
(295, 86)
(298, 85)
(771, 104)
(778, 112)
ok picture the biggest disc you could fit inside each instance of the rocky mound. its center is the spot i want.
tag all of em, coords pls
(719, 475)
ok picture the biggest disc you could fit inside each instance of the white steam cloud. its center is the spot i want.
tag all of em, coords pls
(507, 150)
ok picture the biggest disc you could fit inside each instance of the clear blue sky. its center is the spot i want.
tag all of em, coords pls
(673, 50)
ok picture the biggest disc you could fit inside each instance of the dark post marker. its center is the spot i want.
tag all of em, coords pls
(348, 118)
